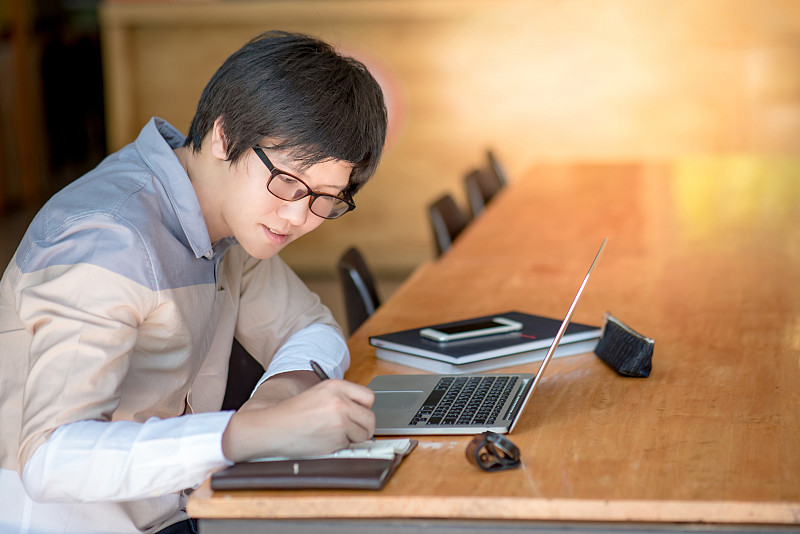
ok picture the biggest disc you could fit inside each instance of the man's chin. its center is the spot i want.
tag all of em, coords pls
(265, 253)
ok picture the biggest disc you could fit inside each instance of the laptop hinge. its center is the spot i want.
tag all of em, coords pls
(518, 398)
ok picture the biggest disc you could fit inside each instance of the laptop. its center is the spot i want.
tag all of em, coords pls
(459, 404)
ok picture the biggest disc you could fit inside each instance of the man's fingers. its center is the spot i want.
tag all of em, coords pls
(358, 401)
(350, 391)
(359, 394)
(363, 425)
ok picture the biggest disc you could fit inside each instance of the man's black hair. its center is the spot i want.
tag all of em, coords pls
(299, 91)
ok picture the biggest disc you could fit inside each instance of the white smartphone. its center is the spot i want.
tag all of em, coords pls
(470, 329)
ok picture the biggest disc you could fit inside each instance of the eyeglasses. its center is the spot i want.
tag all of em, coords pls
(289, 187)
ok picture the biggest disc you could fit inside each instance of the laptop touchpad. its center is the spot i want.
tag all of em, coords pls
(395, 400)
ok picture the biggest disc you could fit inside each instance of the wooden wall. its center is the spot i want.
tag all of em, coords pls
(537, 80)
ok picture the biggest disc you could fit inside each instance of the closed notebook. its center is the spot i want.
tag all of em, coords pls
(367, 465)
(530, 344)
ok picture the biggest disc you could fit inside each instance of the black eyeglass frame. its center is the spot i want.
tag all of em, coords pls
(274, 171)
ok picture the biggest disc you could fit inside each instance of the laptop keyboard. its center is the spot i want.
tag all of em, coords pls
(461, 400)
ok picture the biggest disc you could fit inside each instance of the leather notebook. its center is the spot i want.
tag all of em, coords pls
(363, 466)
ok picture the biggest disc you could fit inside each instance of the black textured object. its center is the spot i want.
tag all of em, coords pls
(623, 349)
(492, 452)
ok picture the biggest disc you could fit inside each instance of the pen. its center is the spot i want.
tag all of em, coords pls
(318, 370)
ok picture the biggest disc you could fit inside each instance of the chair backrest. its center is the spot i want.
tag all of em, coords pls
(358, 288)
(447, 221)
(496, 167)
(480, 185)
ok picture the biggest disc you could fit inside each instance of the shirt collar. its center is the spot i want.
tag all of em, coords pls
(155, 146)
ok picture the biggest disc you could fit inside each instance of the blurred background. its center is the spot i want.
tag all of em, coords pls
(537, 81)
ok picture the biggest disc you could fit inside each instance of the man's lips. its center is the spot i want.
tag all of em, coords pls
(274, 236)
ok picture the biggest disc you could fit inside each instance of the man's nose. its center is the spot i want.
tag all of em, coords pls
(296, 212)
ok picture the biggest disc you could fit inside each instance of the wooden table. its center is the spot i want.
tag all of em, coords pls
(704, 258)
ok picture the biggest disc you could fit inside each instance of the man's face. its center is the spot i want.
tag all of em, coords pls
(263, 223)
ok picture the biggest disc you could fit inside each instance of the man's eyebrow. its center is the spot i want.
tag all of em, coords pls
(339, 189)
(301, 172)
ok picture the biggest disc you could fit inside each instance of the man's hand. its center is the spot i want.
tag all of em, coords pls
(324, 418)
(279, 388)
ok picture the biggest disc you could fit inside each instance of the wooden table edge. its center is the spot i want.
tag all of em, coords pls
(207, 504)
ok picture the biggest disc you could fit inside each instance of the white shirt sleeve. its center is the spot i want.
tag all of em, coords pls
(89, 461)
(319, 342)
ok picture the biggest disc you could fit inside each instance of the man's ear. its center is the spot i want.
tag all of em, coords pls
(219, 144)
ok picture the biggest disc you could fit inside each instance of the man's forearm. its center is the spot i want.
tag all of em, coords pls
(280, 387)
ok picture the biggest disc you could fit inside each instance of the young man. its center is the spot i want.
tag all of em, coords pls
(119, 308)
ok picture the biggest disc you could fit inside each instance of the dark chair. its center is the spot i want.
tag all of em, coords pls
(482, 184)
(447, 221)
(496, 168)
(244, 373)
(358, 288)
